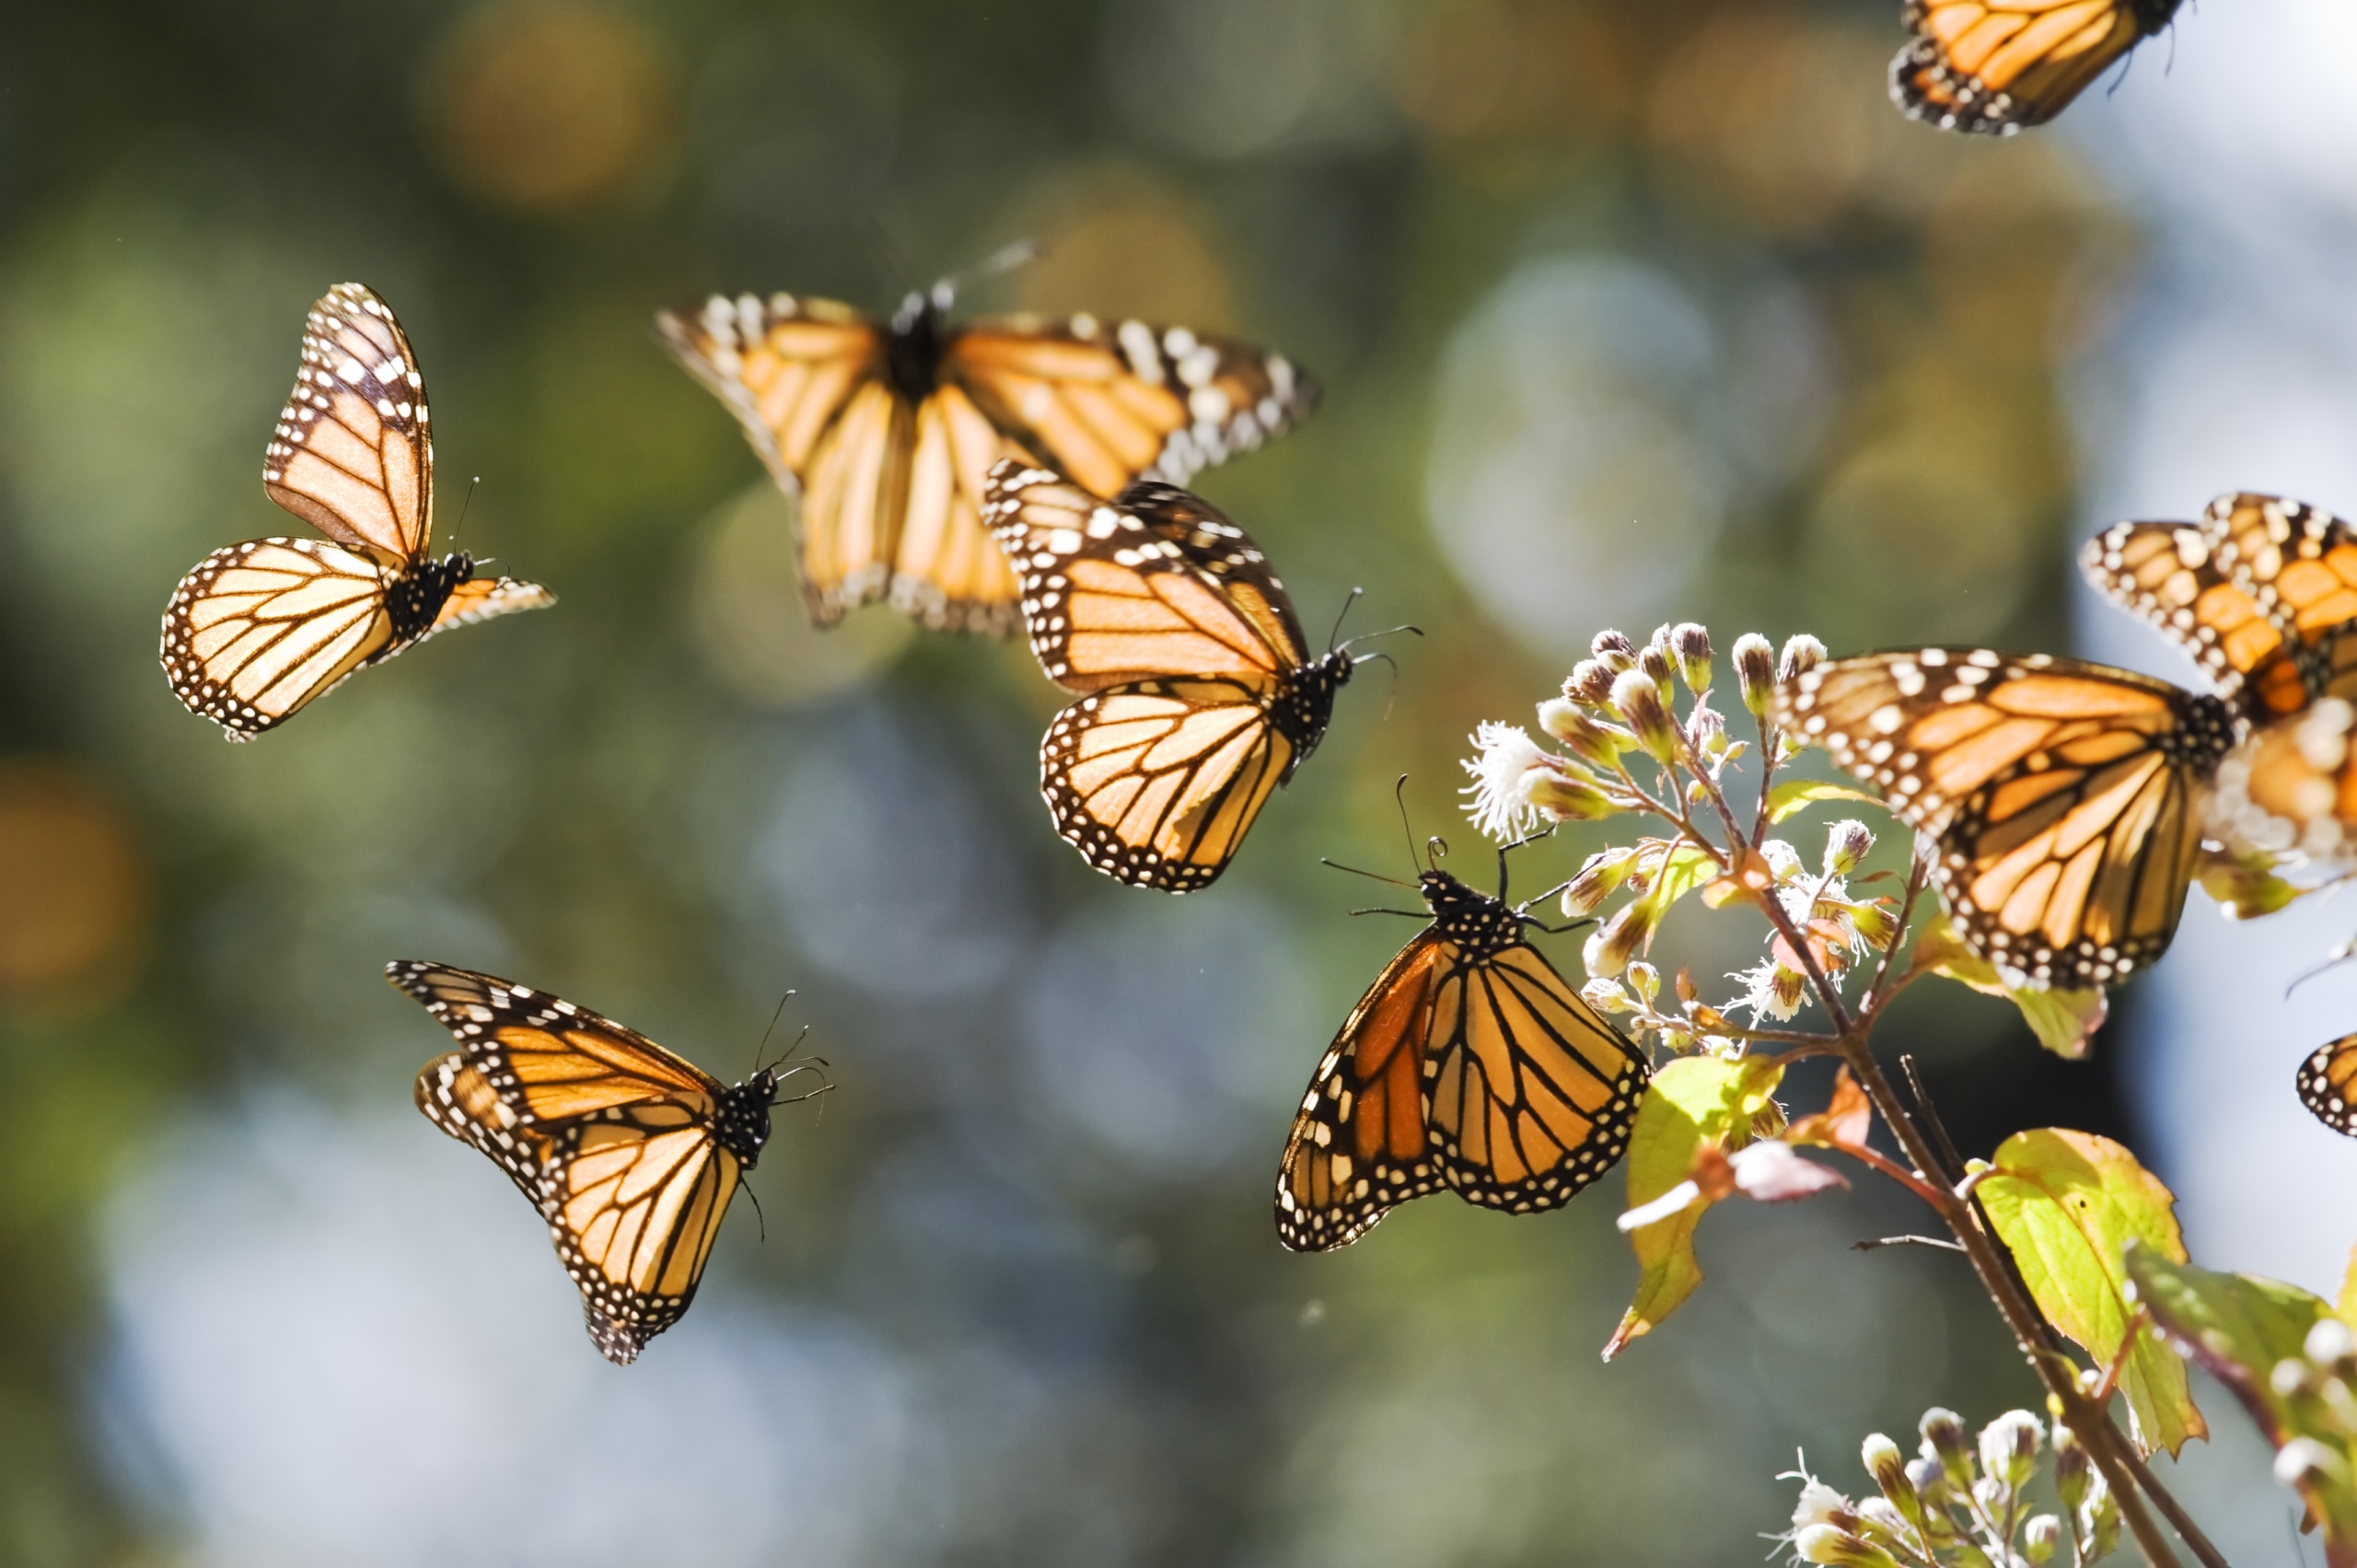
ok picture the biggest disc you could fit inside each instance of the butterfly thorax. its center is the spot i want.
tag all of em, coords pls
(740, 1117)
(416, 596)
(1476, 922)
(914, 348)
(2209, 734)
(2151, 15)
(1304, 705)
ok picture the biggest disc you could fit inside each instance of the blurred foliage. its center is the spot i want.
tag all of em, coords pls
(1060, 1102)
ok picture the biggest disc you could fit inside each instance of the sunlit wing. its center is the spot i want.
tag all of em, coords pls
(480, 599)
(1997, 65)
(2298, 563)
(354, 451)
(948, 571)
(784, 367)
(1533, 1094)
(1359, 1145)
(259, 629)
(1157, 783)
(2064, 796)
(2325, 1082)
(853, 502)
(1112, 402)
(2172, 576)
(635, 1204)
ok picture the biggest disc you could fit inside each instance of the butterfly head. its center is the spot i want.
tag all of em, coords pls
(1467, 915)
(741, 1123)
(416, 596)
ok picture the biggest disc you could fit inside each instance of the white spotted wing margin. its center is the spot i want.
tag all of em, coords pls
(1471, 1064)
(628, 1153)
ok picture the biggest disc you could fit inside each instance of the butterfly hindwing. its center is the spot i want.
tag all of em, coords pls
(1198, 699)
(2325, 1082)
(630, 1153)
(2064, 796)
(2298, 565)
(1994, 66)
(1469, 1063)
(2175, 577)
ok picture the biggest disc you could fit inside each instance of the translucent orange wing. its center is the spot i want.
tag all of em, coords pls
(354, 452)
(2173, 576)
(1112, 402)
(2324, 1084)
(480, 599)
(611, 1137)
(2063, 794)
(260, 629)
(2298, 563)
(1994, 66)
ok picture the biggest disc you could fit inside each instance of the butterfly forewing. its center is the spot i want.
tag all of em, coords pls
(630, 1153)
(2325, 1082)
(2174, 575)
(354, 452)
(1995, 67)
(1469, 1063)
(2298, 563)
(2064, 796)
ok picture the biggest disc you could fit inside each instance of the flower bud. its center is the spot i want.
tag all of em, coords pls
(2040, 1536)
(1706, 733)
(1755, 673)
(1689, 643)
(1572, 795)
(1600, 877)
(2099, 1519)
(1881, 1523)
(1930, 1481)
(1818, 1505)
(1846, 843)
(1613, 651)
(1608, 951)
(1590, 682)
(1802, 654)
(1656, 663)
(1608, 996)
(2330, 1342)
(2009, 1448)
(1836, 1548)
(2070, 1468)
(1637, 698)
(1943, 1433)
(1645, 981)
(1888, 1467)
(1588, 740)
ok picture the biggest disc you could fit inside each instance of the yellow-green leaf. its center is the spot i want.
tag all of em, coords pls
(2063, 1021)
(2245, 884)
(1683, 870)
(1693, 1101)
(1794, 796)
(2242, 1329)
(2065, 1204)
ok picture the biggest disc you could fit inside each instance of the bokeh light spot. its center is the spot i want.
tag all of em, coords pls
(73, 893)
(748, 617)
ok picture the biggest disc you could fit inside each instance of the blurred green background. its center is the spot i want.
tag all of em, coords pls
(1626, 312)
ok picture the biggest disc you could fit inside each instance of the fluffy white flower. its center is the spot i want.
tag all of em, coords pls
(1507, 764)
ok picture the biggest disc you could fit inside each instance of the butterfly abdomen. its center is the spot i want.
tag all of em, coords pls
(914, 350)
(416, 596)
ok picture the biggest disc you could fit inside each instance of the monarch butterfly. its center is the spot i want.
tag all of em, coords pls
(1996, 65)
(2064, 796)
(1202, 696)
(630, 1153)
(260, 628)
(2173, 574)
(2298, 563)
(2323, 1085)
(884, 433)
(1469, 1063)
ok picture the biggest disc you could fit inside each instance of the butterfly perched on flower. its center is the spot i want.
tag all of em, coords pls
(884, 431)
(1202, 695)
(260, 629)
(630, 1153)
(1469, 1064)
(2065, 797)
(1994, 66)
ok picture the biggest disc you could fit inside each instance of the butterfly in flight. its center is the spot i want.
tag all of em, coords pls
(630, 1153)
(2262, 591)
(2323, 1085)
(2065, 798)
(884, 431)
(1201, 694)
(259, 629)
(1993, 66)
(1469, 1063)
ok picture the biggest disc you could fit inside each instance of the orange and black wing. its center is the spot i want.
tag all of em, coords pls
(1994, 66)
(1198, 701)
(2064, 796)
(354, 452)
(2298, 565)
(609, 1134)
(2175, 575)
(259, 629)
(1532, 1093)
(1359, 1145)
(2325, 1085)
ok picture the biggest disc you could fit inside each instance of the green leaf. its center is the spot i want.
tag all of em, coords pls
(2241, 1328)
(1794, 796)
(2245, 884)
(1683, 870)
(2065, 1204)
(2063, 1021)
(1693, 1101)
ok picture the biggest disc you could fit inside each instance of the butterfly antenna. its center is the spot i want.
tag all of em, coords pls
(1371, 636)
(1412, 914)
(459, 527)
(1399, 798)
(1370, 876)
(1435, 850)
(1350, 600)
(767, 1032)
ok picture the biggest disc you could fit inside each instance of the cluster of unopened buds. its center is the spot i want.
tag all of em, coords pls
(2320, 1386)
(1836, 929)
(1952, 1507)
